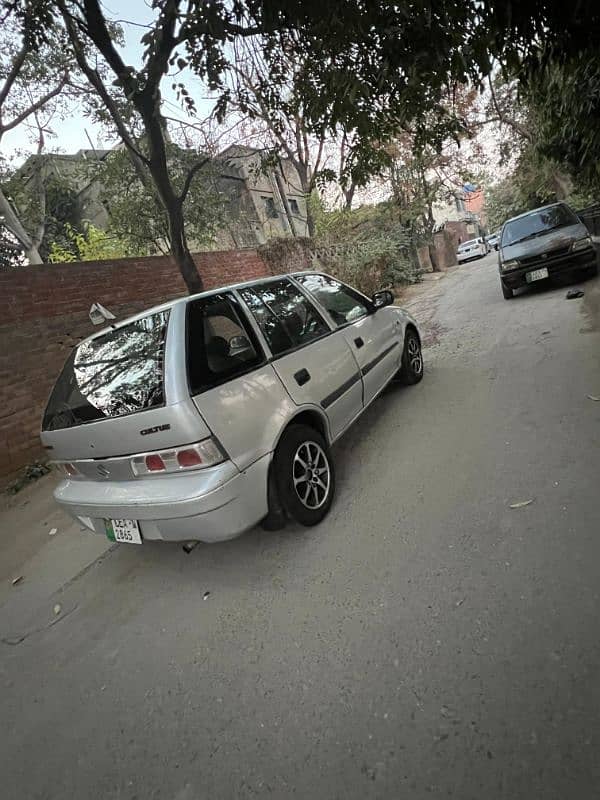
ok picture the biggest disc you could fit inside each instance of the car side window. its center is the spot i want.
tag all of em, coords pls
(220, 342)
(285, 316)
(343, 304)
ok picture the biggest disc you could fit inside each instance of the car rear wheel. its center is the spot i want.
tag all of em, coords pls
(508, 293)
(411, 371)
(305, 475)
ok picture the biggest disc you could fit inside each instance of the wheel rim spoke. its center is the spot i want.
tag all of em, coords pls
(414, 355)
(311, 475)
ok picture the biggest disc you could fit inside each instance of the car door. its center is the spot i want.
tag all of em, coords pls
(374, 336)
(313, 360)
(231, 382)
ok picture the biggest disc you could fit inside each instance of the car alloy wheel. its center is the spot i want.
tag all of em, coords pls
(304, 472)
(311, 475)
(411, 370)
(415, 358)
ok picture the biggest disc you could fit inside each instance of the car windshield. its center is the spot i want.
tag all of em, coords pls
(537, 223)
(468, 244)
(116, 373)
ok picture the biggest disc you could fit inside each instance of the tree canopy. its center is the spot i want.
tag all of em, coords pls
(369, 70)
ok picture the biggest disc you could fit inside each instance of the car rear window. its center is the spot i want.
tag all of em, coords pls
(117, 373)
(536, 223)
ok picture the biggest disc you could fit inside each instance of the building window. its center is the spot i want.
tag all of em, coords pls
(294, 206)
(270, 209)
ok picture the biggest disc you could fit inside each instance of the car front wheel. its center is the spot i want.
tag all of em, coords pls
(508, 293)
(305, 475)
(411, 371)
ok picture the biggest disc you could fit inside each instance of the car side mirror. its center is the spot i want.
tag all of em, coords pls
(381, 299)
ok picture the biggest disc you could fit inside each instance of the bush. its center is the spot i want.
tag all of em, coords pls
(371, 264)
(367, 247)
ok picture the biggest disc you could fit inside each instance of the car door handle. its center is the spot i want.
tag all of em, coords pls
(358, 342)
(302, 377)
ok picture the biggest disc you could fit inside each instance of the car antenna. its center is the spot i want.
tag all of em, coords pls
(98, 314)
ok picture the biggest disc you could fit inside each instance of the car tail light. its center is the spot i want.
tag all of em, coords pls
(192, 456)
(154, 463)
(189, 458)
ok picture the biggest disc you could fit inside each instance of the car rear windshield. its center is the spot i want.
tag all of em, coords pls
(117, 373)
(470, 243)
(537, 223)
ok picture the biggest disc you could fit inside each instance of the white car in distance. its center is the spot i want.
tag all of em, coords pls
(473, 248)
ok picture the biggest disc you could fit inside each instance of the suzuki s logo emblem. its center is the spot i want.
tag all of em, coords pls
(544, 255)
(103, 471)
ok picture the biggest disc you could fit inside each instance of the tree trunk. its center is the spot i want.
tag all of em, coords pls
(433, 257)
(562, 185)
(349, 196)
(284, 200)
(13, 224)
(310, 221)
(181, 252)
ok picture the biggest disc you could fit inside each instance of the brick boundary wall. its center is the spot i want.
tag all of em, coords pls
(44, 313)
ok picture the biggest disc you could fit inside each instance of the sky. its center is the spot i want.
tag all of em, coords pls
(70, 132)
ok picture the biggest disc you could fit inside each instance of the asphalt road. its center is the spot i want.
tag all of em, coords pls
(425, 641)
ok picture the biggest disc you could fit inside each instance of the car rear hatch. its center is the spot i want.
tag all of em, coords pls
(116, 398)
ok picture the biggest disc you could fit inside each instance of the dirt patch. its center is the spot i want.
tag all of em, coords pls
(421, 300)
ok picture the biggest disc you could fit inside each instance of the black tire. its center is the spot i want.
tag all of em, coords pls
(276, 518)
(291, 453)
(506, 291)
(411, 371)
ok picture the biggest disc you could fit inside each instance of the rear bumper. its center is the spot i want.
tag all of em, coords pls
(173, 508)
(561, 266)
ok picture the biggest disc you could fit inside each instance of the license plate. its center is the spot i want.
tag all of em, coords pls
(537, 275)
(123, 530)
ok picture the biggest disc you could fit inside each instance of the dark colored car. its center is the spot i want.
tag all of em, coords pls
(541, 244)
(493, 240)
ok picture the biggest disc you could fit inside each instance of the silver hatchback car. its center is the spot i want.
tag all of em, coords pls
(197, 419)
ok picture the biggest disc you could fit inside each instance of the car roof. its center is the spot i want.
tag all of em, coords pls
(534, 211)
(179, 300)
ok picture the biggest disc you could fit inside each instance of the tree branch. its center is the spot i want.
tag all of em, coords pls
(12, 75)
(40, 188)
(34, 107)
(512, 123)
(317, 163)
(190, 177)
(98, 32)
(158, 60)
(137, 159)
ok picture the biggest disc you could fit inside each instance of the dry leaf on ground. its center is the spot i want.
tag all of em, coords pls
(522, 503)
